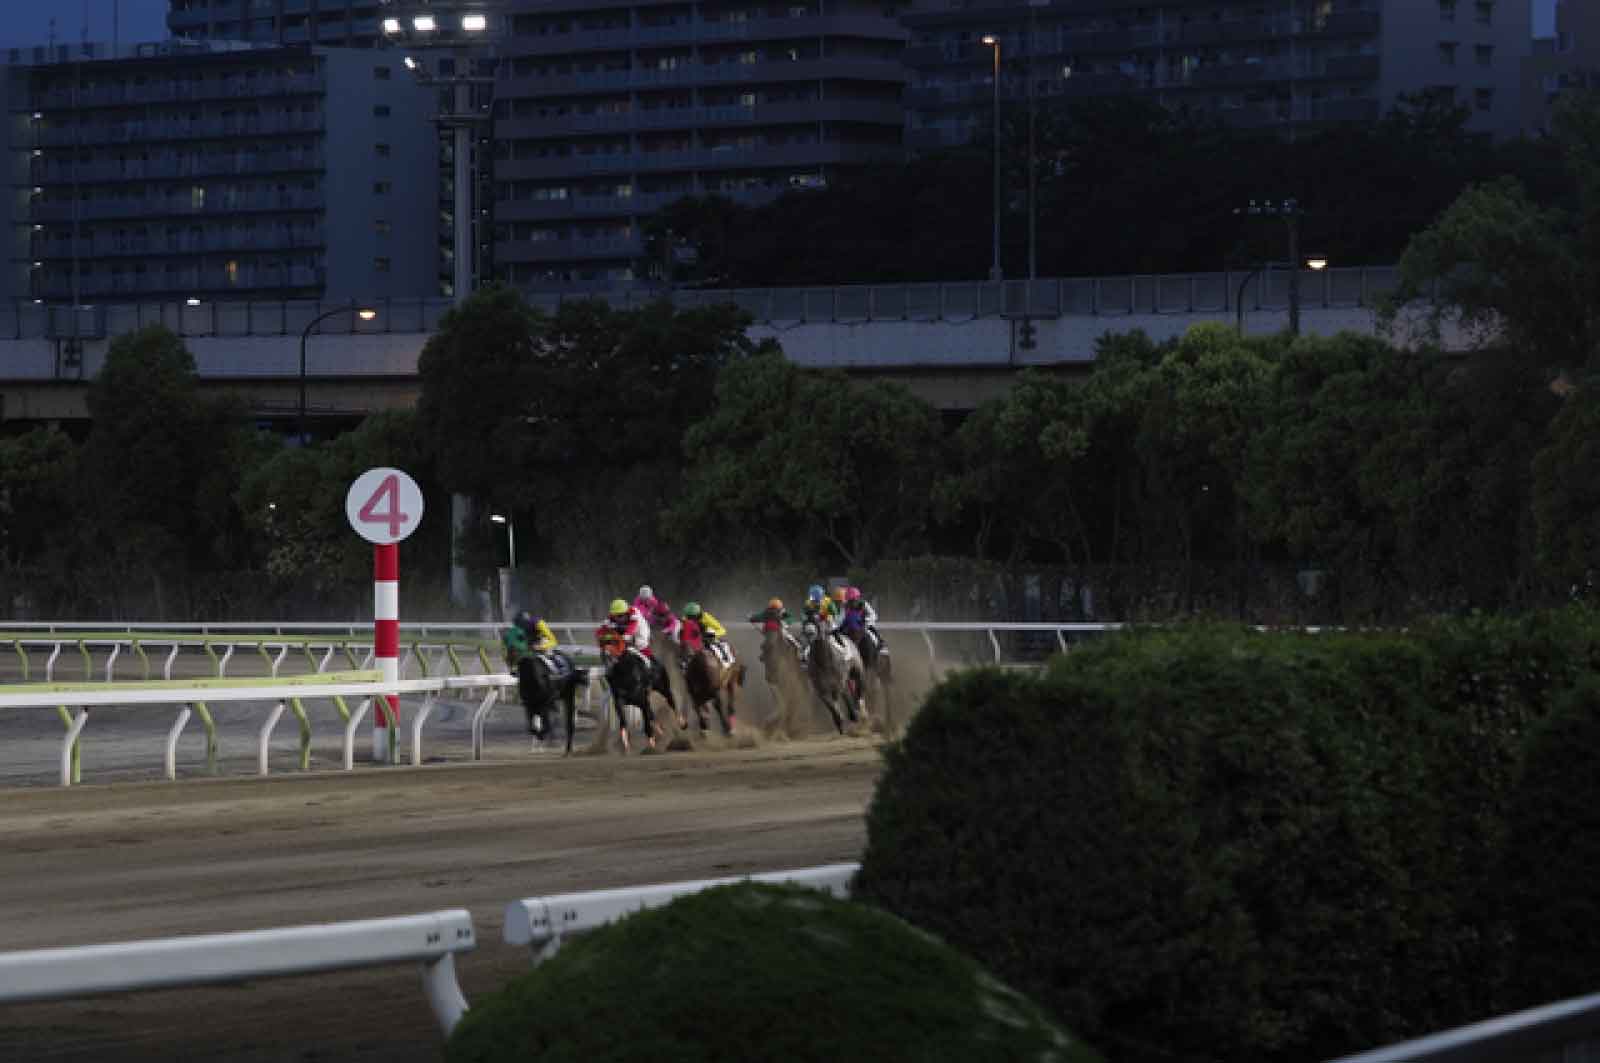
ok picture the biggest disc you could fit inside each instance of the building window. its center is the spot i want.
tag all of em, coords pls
(383, 149)
(382, 227)
(1483, 99)
(380, 264)
(1484, 54)
(1484, 12)
(380, 188)
(1447, 10)
(381, 73)
(1447, 53)
(197, 198)
(380, 110)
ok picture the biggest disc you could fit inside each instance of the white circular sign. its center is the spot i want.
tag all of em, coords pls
(384, 505)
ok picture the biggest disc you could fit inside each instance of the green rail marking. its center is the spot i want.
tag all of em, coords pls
(22, 656)
(422, 660)
(305, 733)
(211, 736)
(88, 661)
(455, 660)
(216, 665)
(77, 744)
(261, 648)
(144, 660)
(370, 675)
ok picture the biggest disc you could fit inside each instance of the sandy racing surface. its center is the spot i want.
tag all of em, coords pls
(121, 860)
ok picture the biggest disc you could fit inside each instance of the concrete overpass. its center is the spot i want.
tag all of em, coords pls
(953, 344)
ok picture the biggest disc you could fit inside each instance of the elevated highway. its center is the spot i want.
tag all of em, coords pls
(953, 344)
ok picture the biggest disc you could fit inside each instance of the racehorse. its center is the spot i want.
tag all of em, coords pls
(711, 680)
(780, 661)
(542, 680)
(875, 668)
(628, 674)
(836, 674)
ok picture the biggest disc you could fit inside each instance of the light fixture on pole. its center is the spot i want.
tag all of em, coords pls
(508, 573)
(1311, 262)
(1291, 213)
(994, 267)
(462, 33)
(365, 313)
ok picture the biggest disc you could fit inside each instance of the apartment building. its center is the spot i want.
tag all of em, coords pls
(607, 110)
(1567, 62)
(186, 170)
(326, 22)
(1284, 66)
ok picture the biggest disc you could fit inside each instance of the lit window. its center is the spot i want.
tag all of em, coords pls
(232, 270)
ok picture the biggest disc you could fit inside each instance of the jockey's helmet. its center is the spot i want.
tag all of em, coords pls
(646, 593)
(838, 594)
(619, 608)
(815, 593)
(691, 610)
(775, 603)
(853, 594)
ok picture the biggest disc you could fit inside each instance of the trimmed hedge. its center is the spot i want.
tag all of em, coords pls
(756, 972)
(1212, 843)
(1548, 872)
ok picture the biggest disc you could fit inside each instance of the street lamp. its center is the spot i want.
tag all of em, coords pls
(994, 268)
(509, 572)
(364, 313)
(1312, 262)
(1291, 213)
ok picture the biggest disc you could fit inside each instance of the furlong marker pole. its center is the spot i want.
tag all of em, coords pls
(386, 646)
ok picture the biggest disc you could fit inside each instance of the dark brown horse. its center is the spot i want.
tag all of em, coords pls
(713, 682)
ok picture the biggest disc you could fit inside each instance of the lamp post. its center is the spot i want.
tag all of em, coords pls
(994, 268)
(509, 572)
(1291, 213)
(1314, 262)
(1033, 165)
(365, 314)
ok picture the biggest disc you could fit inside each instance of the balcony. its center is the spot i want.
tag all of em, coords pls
(623, 247)
(798, 113)
(173, 207)
(173, 92)
(1344, 24)
(858, 69)
(782, 155)
(1355, 67)
(699, 31)
(180, 284)
(145, 132)
(155, 247)
(175, 169)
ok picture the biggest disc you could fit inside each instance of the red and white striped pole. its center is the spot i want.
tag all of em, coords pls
(386, 646)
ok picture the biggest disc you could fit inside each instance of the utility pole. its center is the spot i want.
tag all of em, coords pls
(1291, 212)
(1033, 164)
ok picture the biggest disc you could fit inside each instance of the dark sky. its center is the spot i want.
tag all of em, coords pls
(28, 21)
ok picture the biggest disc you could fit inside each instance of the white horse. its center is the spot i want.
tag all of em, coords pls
(836, 672)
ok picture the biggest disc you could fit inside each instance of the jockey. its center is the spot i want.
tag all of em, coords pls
(776, 618)
(711, 631)
(819, 608)
(541, 641)
(656, 612)
(628, 625)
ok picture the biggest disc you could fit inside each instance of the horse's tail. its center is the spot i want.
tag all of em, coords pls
(740, 673)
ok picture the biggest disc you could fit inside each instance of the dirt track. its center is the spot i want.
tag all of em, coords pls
(103, 863)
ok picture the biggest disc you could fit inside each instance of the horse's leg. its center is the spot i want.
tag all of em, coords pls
(728, 718)
(569, 702)
(650, 726)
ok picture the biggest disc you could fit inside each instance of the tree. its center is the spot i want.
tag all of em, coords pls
(293, 504)
(38, 471)
(1566, 494)
(1509, 268)
(1017, 466)
(477, 379)
(816, 457)
(157, 460)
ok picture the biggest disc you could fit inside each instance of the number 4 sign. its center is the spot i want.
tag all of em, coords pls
(384, 505)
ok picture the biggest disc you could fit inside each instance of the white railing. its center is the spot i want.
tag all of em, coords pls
(285, 694)
(578, 632)
(542, 922)
(431, 940)
(1566, 1030)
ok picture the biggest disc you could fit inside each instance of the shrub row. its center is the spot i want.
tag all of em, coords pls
(1215, 843)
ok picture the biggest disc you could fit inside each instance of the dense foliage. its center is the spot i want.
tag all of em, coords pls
(759, 972)
(1213, 843)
